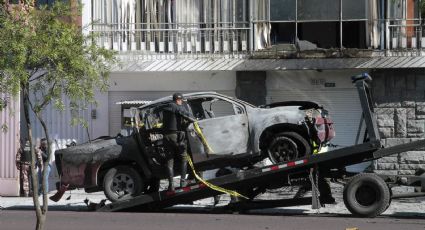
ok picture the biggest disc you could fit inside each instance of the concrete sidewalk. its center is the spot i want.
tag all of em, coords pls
(414, 207)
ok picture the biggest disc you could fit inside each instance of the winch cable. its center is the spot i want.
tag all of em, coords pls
(209, 150)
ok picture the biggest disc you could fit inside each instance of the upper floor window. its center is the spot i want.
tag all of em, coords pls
(44, 2)
(316, 10)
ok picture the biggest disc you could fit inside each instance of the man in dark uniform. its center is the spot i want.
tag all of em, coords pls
(23, 164)
(175, 117)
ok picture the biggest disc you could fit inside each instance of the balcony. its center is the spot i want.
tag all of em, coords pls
(143, 41)
(174, 41)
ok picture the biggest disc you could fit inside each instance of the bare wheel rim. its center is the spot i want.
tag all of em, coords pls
(123, 184)
(283, 150)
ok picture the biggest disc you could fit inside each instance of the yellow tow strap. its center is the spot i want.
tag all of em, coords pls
(202, 137)
(209, 149)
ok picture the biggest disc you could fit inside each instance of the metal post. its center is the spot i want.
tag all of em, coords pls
(340, 24)
(367, 107)
(420, 27)
(251, 28)
(382, 24)
(296, 22)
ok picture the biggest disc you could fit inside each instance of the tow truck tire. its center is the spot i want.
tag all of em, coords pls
(296, 145)
(366, 195)
(122, 183)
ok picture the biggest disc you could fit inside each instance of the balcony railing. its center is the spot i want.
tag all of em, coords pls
(172, 40)
(404, 34)
(238, 40)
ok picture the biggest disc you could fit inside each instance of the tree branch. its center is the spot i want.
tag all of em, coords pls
(38, 77)
(46, 97)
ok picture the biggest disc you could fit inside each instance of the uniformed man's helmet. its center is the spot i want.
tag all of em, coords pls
(177, 96)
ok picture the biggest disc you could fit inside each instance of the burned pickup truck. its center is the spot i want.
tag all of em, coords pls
(239, 134)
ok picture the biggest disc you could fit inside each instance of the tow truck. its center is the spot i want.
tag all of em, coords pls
(365, 194)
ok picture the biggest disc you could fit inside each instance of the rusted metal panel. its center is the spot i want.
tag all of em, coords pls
(9, 143)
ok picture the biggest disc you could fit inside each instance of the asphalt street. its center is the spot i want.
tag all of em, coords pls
(58, 220)
(71, 213)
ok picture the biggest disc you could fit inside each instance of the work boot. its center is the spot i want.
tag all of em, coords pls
(170, 171)
(183, 172)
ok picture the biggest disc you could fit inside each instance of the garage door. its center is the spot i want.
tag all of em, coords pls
(343, 106)
(117, 96)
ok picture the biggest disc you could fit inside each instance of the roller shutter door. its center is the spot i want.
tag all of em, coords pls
(343, 106)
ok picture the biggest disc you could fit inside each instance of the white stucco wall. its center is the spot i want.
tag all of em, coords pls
(86, 15)
(173, 81)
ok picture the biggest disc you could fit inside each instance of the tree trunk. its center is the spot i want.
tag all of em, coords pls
(39, 214)
(46, 164)
(41, 222)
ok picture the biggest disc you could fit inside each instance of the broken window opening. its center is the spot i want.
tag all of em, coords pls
(354, 34)
(283, 33)
(319, 35)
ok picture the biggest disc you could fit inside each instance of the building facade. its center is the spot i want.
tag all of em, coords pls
(263, 52)
(9, 144)
(273, 50)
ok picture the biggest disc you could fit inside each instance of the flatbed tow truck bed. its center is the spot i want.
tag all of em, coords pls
(375, 187)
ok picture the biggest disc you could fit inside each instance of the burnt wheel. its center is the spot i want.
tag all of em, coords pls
(287, 146)
(366, 195)
(121, 183)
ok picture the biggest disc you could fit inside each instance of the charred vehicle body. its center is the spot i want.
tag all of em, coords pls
(239, 134)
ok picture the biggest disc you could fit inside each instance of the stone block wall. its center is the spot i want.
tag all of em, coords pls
(399, 97)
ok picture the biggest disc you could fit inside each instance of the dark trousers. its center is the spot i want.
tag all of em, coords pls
(175, 145)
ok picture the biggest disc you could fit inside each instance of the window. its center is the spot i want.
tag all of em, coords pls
(318, 10)
(44, 2)
(218, 108)
(321, 34)
(354, 9)
(151, 117)
(282, 10)
(211, 107)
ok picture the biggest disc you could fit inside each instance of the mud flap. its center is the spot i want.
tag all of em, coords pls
(58, 195)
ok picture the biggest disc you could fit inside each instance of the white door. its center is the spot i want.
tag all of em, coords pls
(224, 125)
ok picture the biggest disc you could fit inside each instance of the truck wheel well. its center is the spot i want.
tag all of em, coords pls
(269, 132)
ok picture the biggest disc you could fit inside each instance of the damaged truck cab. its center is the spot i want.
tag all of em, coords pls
(239, 134)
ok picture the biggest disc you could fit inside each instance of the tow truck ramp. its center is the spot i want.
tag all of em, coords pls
(247, 181)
